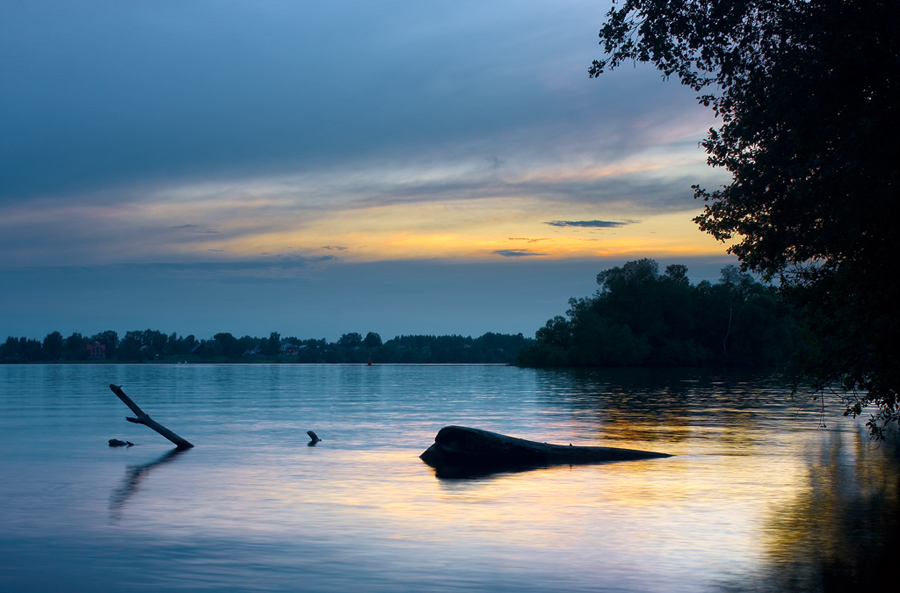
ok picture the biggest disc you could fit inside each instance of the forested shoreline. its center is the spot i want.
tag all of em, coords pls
(638, 317)
(155, 346)
(641, 317)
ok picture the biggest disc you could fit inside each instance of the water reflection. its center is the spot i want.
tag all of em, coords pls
(134, 474)
(756, 500)
(730, 410)
(842, 531)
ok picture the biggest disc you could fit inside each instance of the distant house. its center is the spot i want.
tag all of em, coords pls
(96, 350)
(288, 350)
(251, 353)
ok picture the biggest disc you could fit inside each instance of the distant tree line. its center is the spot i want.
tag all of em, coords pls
(155, 346)
(641, 317)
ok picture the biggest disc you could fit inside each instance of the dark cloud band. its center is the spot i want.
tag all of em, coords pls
(516, 253)
(592, 224)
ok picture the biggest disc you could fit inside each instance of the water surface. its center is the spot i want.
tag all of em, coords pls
(760, 495)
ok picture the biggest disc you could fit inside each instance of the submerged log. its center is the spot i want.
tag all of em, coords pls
(459, 450)
(146, 420)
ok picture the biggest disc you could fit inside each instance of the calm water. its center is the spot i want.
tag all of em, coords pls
(758, 498)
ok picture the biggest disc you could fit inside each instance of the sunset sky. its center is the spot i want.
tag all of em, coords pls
(398, 167)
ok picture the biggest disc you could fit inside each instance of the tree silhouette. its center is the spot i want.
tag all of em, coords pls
(809, 100)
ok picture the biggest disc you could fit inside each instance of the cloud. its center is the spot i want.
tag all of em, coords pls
(594, 224)
(235, 89)
(194, 229)
(227, 270)
(516, 253)
(205, 146)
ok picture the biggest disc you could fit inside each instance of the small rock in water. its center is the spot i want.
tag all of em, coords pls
(118, 443)
(314, 438)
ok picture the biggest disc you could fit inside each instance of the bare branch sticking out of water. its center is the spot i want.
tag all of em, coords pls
(146, 420)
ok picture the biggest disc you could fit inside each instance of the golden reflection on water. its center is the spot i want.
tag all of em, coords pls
(682, 513)
(840, 531)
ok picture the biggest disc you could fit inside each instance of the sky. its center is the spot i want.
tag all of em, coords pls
(316, 169)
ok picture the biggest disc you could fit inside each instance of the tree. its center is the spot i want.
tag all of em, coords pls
(9, 351)
(187, 345)
(110, 339)
(31, 350)
(677, 273)
(146, 344)
(54, 346)
(227, 345)
(372, 340)
(75, 347)
(556, 332)
(272, 345)
(350, 340)
(809, 101)
(131, 346)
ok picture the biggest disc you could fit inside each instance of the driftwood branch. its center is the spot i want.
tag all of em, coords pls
(146, 420)
(459, 451)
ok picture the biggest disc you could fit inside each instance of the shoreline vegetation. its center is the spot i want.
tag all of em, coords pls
(152, 346)
(638, 317)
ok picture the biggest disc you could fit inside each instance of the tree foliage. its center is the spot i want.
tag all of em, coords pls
(640, 317)
(53, 346)
(808, 94)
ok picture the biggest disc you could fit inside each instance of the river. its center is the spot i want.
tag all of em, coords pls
(764, 492)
